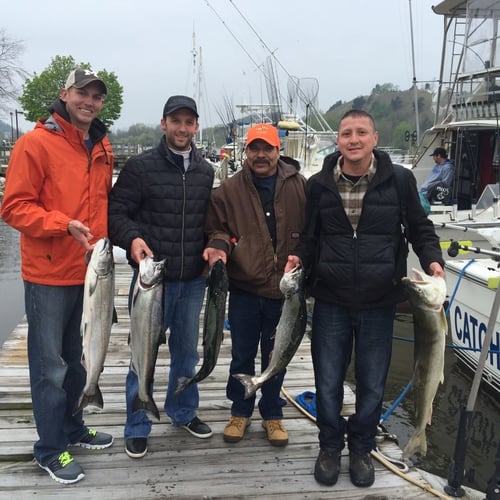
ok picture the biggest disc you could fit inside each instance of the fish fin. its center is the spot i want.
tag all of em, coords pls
(148, 406)
(182, 383)
(248, 384)
(93, 284)
(85, 400)
(429, 416)
(416, 444)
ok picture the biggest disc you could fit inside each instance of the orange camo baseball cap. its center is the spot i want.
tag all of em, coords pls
(265, 132)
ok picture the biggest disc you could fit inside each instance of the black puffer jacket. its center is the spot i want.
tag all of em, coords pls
(361, 269)
(154, 199)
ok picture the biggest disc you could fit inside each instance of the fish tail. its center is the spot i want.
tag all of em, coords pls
(182, 383)
(85, 400)
(248, 384)
(148, 406)
(416, 444)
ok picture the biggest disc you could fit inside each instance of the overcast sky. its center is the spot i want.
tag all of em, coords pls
(346, 46)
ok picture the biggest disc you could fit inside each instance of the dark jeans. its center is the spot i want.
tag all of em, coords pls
(57, 375)
(334, 331)
(253, 320)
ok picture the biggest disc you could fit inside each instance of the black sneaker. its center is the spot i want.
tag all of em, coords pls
(94, 440)
(136, 447)
(327, 467)
(198, 429)
(361, 469)
(64, 469)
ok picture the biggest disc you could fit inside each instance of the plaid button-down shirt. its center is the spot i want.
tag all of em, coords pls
(352, 193)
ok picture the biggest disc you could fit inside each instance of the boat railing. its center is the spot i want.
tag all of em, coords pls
(477, 96)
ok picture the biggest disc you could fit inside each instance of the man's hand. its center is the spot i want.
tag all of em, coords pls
(435, 269)
(212, 255)
(81, 234)
(139, 250)
(292, 262)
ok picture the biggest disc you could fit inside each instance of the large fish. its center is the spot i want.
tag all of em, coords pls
(97, 319)
(146, 330)
(289, 332)
(213, 327)
(426, 295)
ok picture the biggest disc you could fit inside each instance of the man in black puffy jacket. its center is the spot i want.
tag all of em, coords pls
(157, 209)
(352, 243)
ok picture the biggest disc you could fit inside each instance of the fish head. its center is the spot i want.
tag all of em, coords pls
(291, 281)
(101, 258)
(424, 289)
(150, 272)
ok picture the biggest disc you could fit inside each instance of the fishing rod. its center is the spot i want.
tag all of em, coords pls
(455, 246)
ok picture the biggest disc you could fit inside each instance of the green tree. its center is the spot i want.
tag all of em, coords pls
(40, 91)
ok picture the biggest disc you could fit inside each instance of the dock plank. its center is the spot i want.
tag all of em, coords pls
(177, 465)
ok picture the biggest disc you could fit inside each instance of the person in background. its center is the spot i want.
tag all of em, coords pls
(352, 247)
(253, 223)
(56, 195)
(157, 209)
(437, 186)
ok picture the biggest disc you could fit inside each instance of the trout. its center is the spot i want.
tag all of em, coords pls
(97, 319)
(426, 297)
(146, 329)
(289, 332)
(213, 327)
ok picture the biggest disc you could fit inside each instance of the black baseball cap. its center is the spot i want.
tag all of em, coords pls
(440, 151)
(177, 102)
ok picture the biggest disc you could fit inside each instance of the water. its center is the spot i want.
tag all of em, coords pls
(11, 287)
(453, 394)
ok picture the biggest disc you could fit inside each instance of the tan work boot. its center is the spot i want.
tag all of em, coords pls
(276, 432)
(235, 429)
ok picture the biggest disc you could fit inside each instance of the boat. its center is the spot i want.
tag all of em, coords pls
(467, 121)
(294, 120)
(473, 285)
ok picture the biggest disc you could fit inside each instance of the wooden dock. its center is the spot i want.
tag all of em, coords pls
(177, 464)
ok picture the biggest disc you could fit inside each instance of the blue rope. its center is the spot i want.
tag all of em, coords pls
(460, 276)
(398, 400)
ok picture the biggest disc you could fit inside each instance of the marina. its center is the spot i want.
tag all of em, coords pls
(178, 465)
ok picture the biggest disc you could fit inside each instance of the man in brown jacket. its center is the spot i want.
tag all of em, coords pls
(253, 223)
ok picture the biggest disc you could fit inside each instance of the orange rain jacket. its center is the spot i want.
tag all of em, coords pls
(52, 178)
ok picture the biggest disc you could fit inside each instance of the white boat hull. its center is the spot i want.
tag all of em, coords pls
(472, 291)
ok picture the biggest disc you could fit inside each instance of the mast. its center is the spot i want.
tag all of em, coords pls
(415, 89)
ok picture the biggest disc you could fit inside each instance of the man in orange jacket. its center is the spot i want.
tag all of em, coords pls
(57, 186)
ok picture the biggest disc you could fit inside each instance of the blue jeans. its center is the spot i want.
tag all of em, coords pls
(253, 319)
(57, 376)
(334, 331)
(182, 306)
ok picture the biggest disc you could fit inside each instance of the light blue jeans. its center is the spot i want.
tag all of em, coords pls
(335, 330)
(182, 306)
(57, 376)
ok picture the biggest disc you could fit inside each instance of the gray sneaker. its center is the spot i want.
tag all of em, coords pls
(94, 440)
(64, 469)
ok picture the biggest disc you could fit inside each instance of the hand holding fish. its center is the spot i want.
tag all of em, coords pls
(435, 269)
(81, 233)
(139, 249)
(292, 262)
(212, 255)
